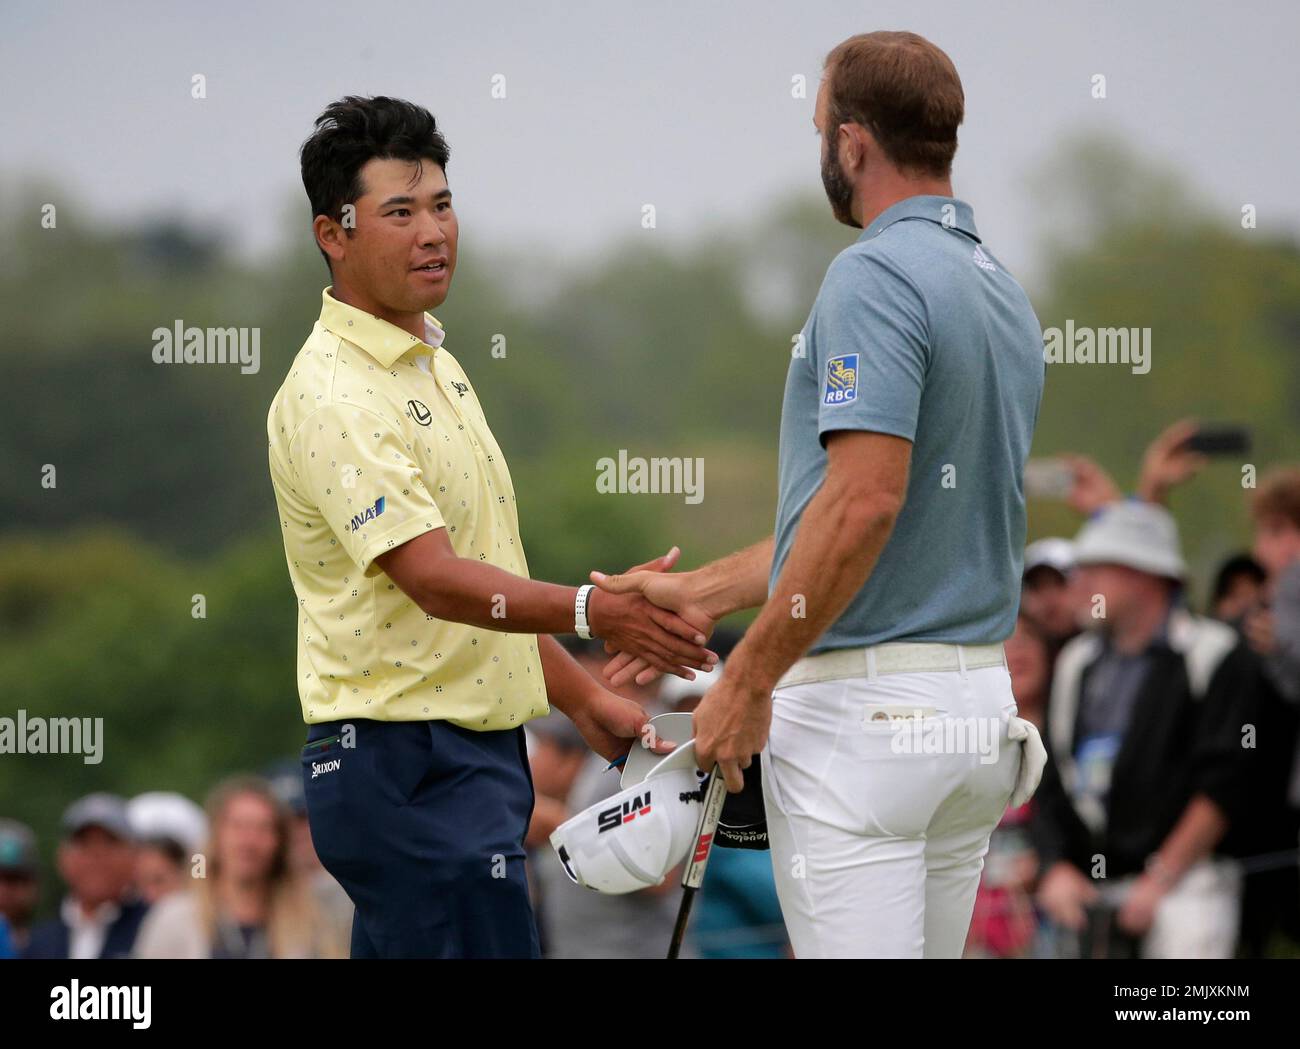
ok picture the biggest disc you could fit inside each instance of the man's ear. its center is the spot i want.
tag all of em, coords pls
(846, 151)
(329, 236)
(859, 148)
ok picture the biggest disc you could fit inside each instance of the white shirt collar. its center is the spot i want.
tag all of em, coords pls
(86, 935)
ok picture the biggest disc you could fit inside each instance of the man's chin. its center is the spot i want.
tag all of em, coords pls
(426, 299)
(843, 215)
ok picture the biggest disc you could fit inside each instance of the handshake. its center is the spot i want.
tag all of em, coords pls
(652, 622)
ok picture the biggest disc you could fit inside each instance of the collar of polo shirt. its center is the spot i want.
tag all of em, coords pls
(384, 342)
(958, 215)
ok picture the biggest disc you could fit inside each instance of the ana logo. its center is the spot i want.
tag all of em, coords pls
(841, 379)
(617, 815)
(419, 413)
(319, 768)
(369, 514)
(983, 261)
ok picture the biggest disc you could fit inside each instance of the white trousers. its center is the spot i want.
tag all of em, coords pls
(878, 823)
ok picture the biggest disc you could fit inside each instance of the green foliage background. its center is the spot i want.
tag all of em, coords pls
(162, 486)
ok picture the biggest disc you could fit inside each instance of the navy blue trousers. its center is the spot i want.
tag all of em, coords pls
(423, 824)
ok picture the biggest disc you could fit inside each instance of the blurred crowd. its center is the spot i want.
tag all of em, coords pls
(1166, 824)
(158, 876)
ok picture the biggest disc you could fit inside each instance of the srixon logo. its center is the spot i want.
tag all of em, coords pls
(617, 815)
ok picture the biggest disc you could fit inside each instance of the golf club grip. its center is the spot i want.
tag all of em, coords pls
(714, 797)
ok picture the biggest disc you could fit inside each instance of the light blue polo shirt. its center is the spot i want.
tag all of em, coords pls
(919, 331)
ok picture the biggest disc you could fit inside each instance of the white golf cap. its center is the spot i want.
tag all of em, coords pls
(1054, 552)
(675, 728)
(162, 814)
(632, 840)
(1134, 534)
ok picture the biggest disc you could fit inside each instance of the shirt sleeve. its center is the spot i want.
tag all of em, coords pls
(359, 471)
(872, 348)
(1220, 764)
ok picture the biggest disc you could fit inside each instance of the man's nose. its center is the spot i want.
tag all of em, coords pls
(432, 233)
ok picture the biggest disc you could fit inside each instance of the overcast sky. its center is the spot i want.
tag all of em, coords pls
(610, 105)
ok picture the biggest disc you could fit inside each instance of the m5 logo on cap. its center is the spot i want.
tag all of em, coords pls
(617, 815)
(841, 379)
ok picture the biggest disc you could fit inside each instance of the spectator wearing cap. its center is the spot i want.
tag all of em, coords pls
(1148, 764)
(101, 914)
(19, 886)
(250, 902)
(1046, 596)
(169, 830)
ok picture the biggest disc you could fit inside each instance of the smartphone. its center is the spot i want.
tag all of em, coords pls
(1220, 440)
(1048, 479)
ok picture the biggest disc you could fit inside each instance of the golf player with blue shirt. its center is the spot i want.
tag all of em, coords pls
(873, 682)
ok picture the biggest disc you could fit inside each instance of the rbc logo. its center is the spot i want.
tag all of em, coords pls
(841, 379)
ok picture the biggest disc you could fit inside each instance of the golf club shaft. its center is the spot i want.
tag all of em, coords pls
(693, 876)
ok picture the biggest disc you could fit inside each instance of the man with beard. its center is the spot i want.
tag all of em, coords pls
(894, 573)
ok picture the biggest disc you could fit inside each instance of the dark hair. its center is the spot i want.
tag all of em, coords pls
(1278, 495)
(902, 89)
(355, 130)
(1234, 567)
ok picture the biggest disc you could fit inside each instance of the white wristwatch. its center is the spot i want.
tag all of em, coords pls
(580, 624)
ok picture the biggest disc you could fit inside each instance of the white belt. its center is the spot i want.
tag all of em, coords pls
(896, 657)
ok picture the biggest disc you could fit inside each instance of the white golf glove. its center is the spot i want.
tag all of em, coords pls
(1033, 756)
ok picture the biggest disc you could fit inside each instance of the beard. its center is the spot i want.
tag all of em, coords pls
(839, 191)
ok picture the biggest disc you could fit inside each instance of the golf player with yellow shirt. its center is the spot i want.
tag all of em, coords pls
(423, 646)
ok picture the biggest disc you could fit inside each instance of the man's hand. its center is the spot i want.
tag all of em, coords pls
(673, 592)
(731, 726)
(1168, 462)
(1092, 487)
(611, 725)
(1064, 892)
(1139, 909)
(665, 640)
(645, 632)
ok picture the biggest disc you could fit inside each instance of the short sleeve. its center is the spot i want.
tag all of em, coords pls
(360, 472)
(872, 348)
